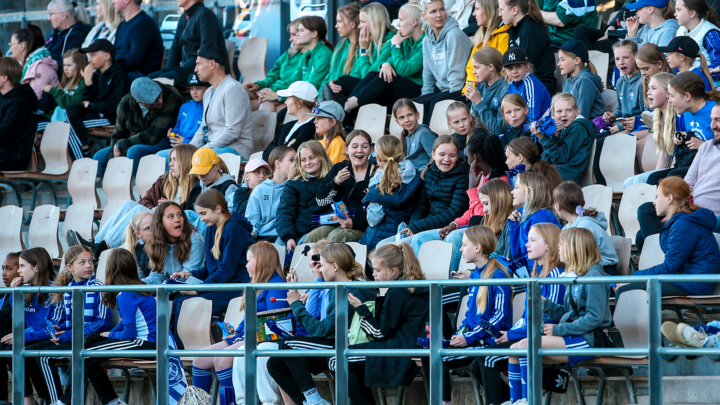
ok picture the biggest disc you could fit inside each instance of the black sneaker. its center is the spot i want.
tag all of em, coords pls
(74, 239)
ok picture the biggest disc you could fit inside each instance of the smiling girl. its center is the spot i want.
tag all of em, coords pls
(462, 123)
(514, 111)
(417, 139)
(348, 182)
(488, 89)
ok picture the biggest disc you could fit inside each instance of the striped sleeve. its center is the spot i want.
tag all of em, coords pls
(101, 321)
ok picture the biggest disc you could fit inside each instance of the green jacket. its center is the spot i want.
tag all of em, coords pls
(570, 16)
(407, 59)
(64, 98)
(131, 128)
(285, 72)
(315, 64)
(337, 68)
(372, 61)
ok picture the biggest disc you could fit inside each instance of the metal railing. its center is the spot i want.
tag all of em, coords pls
(341, 351)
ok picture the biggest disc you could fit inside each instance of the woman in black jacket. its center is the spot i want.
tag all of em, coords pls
(348, 182)
(398, 322)
(300, 103)
(298, 203)
(444, 187)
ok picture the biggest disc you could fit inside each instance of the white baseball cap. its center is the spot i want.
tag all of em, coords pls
(302, 90)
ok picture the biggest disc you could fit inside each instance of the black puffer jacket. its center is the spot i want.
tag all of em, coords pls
(17, 127)
(198, 27)
(297, 207)
(443, 197)
(351, 192)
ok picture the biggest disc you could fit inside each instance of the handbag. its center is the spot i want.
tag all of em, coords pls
(604, 337)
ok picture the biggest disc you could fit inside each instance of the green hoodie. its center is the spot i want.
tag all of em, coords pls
(315, 64)
(337, 68)
(407, 59)
(369, 64)
(64, 98)
(285, 72)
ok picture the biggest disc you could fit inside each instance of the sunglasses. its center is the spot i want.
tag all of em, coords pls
(317, 110)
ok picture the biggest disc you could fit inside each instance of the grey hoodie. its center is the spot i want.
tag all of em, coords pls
(630, 101)
(418, 146)
(660, 36)
(262, 208)
(598, 226)
(488, 110)
(374, 210)
(592, 300)
(229, 191)
(588, 84)
(445, 58)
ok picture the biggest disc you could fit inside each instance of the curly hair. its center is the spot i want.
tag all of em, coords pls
(489, 147)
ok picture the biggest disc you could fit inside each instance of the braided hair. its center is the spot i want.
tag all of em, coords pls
(488, 146)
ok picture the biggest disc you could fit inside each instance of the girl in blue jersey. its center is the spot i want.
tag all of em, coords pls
(35, 269)
(489, 307)
(542, 248)
(78, 271)
(263, 265)
(532, 199)
(519, 72)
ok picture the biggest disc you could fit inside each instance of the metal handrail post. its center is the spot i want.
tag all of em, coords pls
(250, 344)
(18, 347)
(436, 338)
(162, 343)
(535, 330)
(655, 342)
(78, 344)
(341, 343)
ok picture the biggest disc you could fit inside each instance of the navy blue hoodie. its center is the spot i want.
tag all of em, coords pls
(62, 41)
(235, 241)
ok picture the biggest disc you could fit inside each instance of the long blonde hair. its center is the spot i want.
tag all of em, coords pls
(485, 237)
(380, 26)
(186, 181)
(665, 120)
(649, 54)
(400, 257)
(340, 254)
(551, 235)
(501, 206)
(537, 193)
(130, 240)
(111, 17)
(581, 250)
(211, 199)
(296, 170)
(390, 150)
(483, 34)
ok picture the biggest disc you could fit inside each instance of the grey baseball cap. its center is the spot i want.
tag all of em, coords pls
(329, 109)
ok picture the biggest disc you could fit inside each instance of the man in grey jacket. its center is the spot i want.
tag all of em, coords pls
(446, 50)
(227, 124)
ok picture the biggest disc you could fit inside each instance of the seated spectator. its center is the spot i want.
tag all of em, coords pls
(143, 116)
(574, 60)
(227, 124)
(443, 191)
(256, 171)
(38, 68)
(487, 89)
(174, 245)
(446, 50)
(345, 57)
(705, 190)
(138, 41)
(570, 147)
(400, 76)
(657, 18)
(177, 185)
(347, 182)
(697, 21)
(136, 236)
(106, 28)
(10, 267)
(18, 124)
(190, 116)
(300, 101)
(391, 193)
(530, 33)
(629, 103)
(286, 71)
(563, 17)
(650, 61)
(298, 203)
(686, 239)
(263, 203)
(317, 51)
(681, 55)
(197, 27)
(491, 33)
(227, 241)
(100, 98)
(514, 110)
(521, 81)
(417, 139)
(212, 173)
(329, 129)
(70, 27)
(524, 151)
(569, 206)
(263, 266)
(70, 90)
(462, 123)
(684, 335)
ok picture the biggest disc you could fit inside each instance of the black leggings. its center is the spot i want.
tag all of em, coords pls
(360, 393)
(4, 374)
(590, 36)
(373, 89)
(294, 374)
(667, 290)
(488, 370)
(429, 100)
(347, 85)
(655, 178)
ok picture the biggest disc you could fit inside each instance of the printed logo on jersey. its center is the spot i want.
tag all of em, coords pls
(495, 101)
(413, 146)
(632, 96)
(576, 291)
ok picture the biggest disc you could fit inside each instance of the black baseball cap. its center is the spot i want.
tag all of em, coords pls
(100, 45)
(211, 53)
(576, 48)
(684, 45)
(513, 56)
(194, 80)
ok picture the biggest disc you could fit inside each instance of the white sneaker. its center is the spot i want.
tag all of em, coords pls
(690, 336)
(507, 403)
(522, 401)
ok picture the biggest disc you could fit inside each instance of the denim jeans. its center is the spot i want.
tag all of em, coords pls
(135, 152)
(455, 238)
